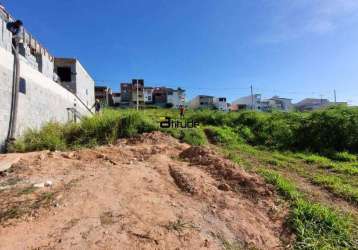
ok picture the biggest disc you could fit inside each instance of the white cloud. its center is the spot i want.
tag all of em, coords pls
(295, 18)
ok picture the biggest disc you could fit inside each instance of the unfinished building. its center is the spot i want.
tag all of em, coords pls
(40, 95)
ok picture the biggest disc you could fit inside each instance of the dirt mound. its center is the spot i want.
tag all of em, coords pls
(136, 194)
(155, 137)
(225, 170)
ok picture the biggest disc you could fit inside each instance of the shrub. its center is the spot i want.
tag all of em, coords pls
(208, 117)
(331, 129)
(222, 135)
(326, 130)
(133, 123)
(193, 136)
(246, 134)
(95, 130)
(50, 137)
(99, 129)
(343, 156)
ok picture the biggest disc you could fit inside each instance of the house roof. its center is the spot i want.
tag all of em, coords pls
(279, 98)
(312, 101)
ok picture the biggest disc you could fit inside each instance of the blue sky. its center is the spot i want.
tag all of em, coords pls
(290, 48)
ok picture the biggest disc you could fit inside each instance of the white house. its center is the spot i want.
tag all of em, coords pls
(220, 103)
(279, 103)
(312, 104)
(202, 101)
(148, 94)
(248, 102)
(176, 97)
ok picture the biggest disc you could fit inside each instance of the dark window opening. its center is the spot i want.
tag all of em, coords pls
(22, 85)
(64, 73)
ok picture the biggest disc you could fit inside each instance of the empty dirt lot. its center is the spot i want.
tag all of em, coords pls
(151, 192)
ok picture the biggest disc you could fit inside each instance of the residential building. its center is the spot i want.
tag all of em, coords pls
(221, 104)
(202, 101)
(176, 97)
(279, 103)
(248, 102)
(138, 91)
(126, 92)
(160, 96)
(309, 104)
(104, 95)
(72, 76)
(148, 95)
(116, 99)
(42, 97)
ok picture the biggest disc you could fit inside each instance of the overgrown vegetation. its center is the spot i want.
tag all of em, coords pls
(96, 130)
(321, 147)
(315, 226)
(334, 129)
(192, 136)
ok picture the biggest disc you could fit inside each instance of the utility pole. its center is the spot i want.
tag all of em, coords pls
(137, 95)
(252, 97)
(335, 96)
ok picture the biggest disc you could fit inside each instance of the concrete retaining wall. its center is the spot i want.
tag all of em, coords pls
(44, 100)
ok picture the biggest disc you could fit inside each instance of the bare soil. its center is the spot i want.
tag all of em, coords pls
(150, 192)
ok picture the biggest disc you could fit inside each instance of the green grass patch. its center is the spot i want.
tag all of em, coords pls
(338, 187)
(91, 131)
(315, 226)
(193, 136)
(343, 156)
(222, 136)
(286, 188)
(319, 227)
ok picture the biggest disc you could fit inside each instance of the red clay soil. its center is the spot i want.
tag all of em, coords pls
(151, 192)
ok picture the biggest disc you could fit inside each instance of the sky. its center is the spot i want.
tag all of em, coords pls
(290, 48)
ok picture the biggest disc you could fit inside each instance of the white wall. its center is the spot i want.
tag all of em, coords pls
(177, 99)
(220, 105)
(247, 100)
(116, 99)
(5, 36)
(84, 85)
(148, 95)
(44, 100)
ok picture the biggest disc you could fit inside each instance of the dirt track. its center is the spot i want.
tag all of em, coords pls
(146, 193)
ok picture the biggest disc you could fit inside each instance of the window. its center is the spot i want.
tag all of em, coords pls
(64, 73)
(22, 85)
